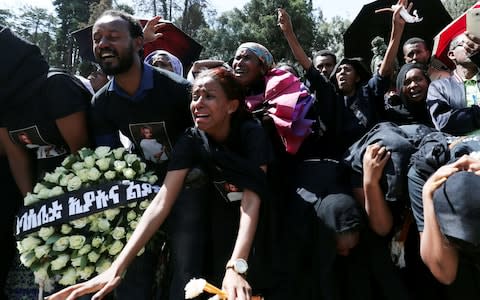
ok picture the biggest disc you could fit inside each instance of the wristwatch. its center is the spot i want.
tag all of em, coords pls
(239, 265)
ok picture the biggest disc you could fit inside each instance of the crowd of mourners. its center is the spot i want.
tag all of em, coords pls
(340, 181)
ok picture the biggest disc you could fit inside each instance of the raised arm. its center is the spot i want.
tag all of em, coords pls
(398, 24)
(286, 26)
(151, 220)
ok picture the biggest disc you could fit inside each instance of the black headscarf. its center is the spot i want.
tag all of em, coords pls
(457, 207)
(417, 110)
(23, 71)
(340, 213)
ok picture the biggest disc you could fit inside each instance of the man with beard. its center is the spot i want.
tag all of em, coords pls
(454, 101)
(140, 95)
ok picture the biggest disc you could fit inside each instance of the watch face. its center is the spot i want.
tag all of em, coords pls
(241, 266)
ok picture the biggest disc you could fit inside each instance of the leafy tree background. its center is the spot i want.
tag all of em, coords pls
(220, 34)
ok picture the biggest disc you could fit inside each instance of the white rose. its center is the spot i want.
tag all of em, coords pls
(144, 204)
(29, 243)
(60, 262)
(64, 178)
(61, 170)
(61, 244)
(143, 167)
(93, 174)
(86, 272)
(103, 163)
(118, 233)
(77, 166)
(46, 232)
(119, 165)
(85, 152)
(93, 256)
(131, 215)
(69, 277)
(130, 158)
(56, 191)
(103, 225)
(128, 235)
(77, 262)
(152, 179)
(110, 175)
(38, 187)
(85, 249)
(118, 153)
(94, 226)
(111, 213)
(194, 288)
(133, 224)
(76, 241)
(102, 151)
(89, 161)
(41, 251)
(102, 265)
(132, 204)
(115, 248)
(82, 174)
(52, 177)
(97, 241)
(69, 161)
(74, 184)
(30, 199)
(66, 229)
(28, 258)
(79, 223)
(143, 178)
(43, 194)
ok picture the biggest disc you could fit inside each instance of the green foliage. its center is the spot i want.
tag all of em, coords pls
(456, 7)
(6, 18)
(257, 21)
(73, 15)
(96, 9)
(329, 35)
(219, 34)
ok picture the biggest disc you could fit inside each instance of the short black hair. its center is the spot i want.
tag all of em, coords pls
(134, 26)
(325, 52)
(415, 40)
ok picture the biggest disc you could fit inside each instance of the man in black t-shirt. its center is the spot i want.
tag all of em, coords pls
(137, 97)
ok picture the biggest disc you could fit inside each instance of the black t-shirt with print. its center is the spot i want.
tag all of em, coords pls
(248, 141)
(233, 166)
(164, 112)
(34, 126)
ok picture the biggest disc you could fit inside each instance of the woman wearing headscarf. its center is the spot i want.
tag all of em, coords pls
(286, 110)
(165, 60)
(275, 94)
(412, 86)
